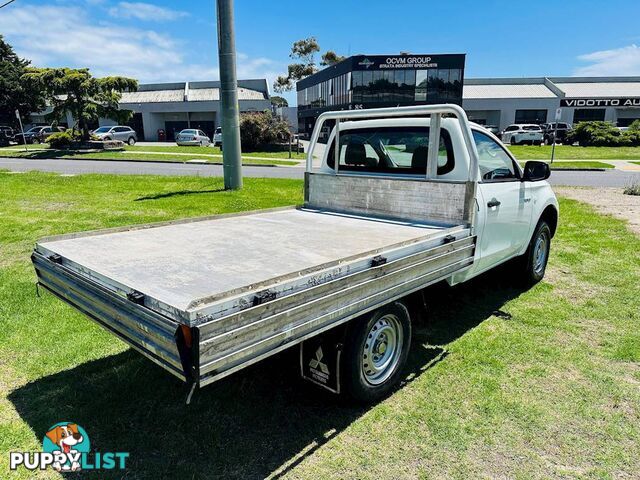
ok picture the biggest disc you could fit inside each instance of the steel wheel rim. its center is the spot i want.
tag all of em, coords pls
(382, 349)
(540, 252)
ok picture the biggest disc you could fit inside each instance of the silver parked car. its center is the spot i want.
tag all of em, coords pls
(117, 132)
(193, 136)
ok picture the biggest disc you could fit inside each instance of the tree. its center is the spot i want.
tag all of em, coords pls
(331, 58)
(303, 51)
(78, 92)
(278, 101)
(14, 94)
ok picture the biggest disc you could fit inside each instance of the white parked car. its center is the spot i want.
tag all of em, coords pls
(519, 134)
(117, 132)
(217, 137)
(191, 137)
(341, 276)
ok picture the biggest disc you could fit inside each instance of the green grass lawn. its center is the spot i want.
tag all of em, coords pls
(570, 152)
(212, 151)
(195, 154)
(579, 164)
(501, 383)
(636, 163)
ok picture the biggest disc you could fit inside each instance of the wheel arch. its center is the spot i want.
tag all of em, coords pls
(550, 215)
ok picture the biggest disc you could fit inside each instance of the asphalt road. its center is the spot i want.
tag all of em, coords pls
(610, 178)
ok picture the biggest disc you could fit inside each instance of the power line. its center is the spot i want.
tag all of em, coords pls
(5, 4)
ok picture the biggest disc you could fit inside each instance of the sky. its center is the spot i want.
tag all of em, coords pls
(165, 40)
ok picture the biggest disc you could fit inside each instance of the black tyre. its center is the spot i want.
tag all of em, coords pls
(131, 141)
(537, 255)
(375, 353)
(513, 141)
(36, 140)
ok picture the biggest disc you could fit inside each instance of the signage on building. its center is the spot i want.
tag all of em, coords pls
(416, 62)
(600, 102)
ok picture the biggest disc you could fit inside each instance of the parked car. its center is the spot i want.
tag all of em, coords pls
(38, 134)
(492, 128)
(548, 130)
(5, 139)
(117, 132)
(7, 132)
(336, 277)
(46, 132)
(192, 137)
(217, 137)
(518, 134)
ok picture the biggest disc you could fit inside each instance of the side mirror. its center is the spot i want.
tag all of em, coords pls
(535, 171)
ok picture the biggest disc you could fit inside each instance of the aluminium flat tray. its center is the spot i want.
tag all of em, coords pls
(247, 285)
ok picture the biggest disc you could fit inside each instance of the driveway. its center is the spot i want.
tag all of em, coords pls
(611, 178)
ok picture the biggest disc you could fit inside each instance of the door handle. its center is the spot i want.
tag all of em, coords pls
(494, 202)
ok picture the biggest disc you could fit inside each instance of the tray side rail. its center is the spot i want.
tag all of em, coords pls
(230, 343)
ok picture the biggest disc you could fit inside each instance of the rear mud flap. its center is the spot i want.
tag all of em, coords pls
(320, 359)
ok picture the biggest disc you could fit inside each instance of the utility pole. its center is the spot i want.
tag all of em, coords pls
(231, 153)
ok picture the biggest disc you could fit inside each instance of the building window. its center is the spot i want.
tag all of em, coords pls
(531, 116)
(588, 115)
(625, 122)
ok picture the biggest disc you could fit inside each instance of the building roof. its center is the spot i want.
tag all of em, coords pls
(536, 90)
(153, 96)
(551, 87)
(255, 89)
(213, 94)
(600, 89)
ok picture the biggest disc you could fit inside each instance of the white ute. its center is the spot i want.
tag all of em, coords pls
(412, 196)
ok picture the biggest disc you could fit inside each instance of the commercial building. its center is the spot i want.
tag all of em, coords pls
(163, 109)
(503, 101)
(370, 81)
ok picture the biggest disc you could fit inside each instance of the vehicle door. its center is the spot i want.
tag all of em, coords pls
(508, 133)
(118, 133)
(504, 203)
(44, 133)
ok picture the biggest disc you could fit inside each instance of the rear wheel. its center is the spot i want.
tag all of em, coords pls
(376, 352)
(537, 255)
(513, 141)
(36, 140)
(131, 141)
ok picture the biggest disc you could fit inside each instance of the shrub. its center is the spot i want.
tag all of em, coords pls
(633, 189)
(595, 134)
(263, 128)
(631, 137)
(60, 139)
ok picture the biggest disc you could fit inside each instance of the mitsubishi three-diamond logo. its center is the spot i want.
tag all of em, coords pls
(366, 63)
(316, 363)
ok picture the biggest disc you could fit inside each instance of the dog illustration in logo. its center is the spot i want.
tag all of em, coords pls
(65, 437)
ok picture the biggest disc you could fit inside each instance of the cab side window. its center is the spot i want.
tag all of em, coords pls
(495, 164)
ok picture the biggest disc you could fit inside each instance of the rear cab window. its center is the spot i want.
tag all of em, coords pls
(397, 150)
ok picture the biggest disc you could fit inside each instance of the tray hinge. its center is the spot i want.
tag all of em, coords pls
(55, 258)
(263, 297)
(136, 297)
(378, 260)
